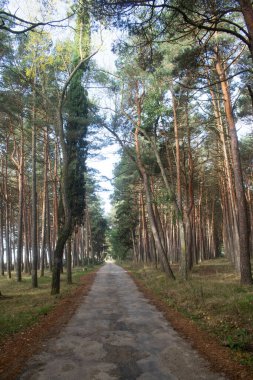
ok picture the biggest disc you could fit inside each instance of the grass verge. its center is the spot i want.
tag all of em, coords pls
(212, 298)
(22, 306)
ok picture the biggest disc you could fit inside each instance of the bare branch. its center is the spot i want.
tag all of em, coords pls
(6, 17)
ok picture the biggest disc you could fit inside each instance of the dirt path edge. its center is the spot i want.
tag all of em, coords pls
(220, 357)
(19, 347)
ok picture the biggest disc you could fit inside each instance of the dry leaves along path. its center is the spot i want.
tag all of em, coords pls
(117, 334)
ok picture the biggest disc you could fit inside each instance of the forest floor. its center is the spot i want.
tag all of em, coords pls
(211, 310)
(29, 317)
(116, 334)
(223, 350)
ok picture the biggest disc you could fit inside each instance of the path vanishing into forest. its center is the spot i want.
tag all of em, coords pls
(117, 334)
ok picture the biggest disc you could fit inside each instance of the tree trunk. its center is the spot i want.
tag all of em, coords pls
(135, 258)
(34, 198)
(1, 244)
(43, 236)
(227, 192)
(149, 199)
(140, 229)
(7, 213)
(48, 232)
(27, 268)
(63, 236)
(243, 221)
(66, 229)
(91, 243)
(190, 232)
(20, 219)
(44, 209)
(146, 248)
(247, 11)
(55, 182)
(69, 270)
(87, 239)
(75, 248)
(182, 229)
(12, 236)
(19, 163)
(177, 203)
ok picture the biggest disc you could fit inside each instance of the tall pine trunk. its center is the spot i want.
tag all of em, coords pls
(1, 243)
(182, 229)
(34, 196)
(7, 213)
(247, 11)
(149, 198)
(243, 220)
(69, 259)
(44, 208)
(19, 163)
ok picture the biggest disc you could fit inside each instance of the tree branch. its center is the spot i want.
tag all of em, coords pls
(28, 25)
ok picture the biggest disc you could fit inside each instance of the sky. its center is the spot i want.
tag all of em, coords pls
(105, 59)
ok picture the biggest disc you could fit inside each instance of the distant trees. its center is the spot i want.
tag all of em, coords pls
(125, 213)
(184, 183)
(44, 119)
(187, 124)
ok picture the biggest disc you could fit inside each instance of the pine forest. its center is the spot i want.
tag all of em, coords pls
(176, 101)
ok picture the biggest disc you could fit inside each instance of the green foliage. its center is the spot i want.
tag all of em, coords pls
(76, 109)
(246, 152)
(121, 230)
(82, 34)
(238, 340)
(125, 213)
(76, 116)
(99, 224)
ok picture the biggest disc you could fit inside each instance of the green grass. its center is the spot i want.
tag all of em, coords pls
(212, 298)
(21, 305)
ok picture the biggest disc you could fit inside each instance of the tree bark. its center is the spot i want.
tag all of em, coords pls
(146, 248)
(247, 11)
(228, 199)
(19, 163)
(182, 229)
(69, 267)
(34, 196)
(176, 201)
(27, 268)
(44, 208)
(1, 244)
(55, 182)
(243, 221)
(7, 213)
(87, 239)
(48, 232)
(67, 227)
(65, 231)
(91, 243)
(148, 192)
(135, 258)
